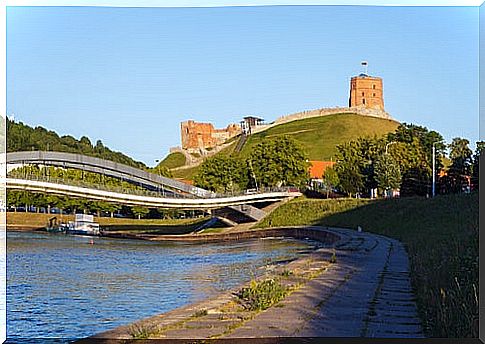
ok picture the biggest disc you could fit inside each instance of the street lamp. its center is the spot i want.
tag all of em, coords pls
(158, 172)
(254, 176)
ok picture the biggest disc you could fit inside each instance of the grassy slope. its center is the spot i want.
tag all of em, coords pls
(320, 135)
(189, 173)
(173, 160)
(186, 173)
(440, 235)
(229, 149)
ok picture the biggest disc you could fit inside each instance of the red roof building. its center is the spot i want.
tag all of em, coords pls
(317, 168)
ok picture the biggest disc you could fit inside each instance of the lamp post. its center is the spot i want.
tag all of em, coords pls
(254, 176)
(157, 161)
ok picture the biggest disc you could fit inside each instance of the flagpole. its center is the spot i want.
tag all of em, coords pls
(364, 63)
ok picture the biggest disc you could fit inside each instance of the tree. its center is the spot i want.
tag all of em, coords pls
(388, 173)
(86, 141)
(111, 207)
(222, 174)
(99, 147)
(140, 212)
(475, 180)
(460, 170)
(350, 166)
(330, 180)
(416, 181)
(14, 199)
(278, 162)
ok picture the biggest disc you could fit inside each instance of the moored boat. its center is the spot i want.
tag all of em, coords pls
(83, 225)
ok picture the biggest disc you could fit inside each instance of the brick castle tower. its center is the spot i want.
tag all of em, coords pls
(366, 91)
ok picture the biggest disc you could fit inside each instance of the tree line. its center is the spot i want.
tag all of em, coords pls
(22, 137)
(24, 201)
(404, 160)
(368, 166)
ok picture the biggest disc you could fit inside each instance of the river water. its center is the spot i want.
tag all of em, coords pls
(61, 286)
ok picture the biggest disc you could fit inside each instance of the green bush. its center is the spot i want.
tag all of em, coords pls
(262, 295)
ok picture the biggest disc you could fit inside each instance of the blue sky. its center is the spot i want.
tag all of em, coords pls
(129, 76)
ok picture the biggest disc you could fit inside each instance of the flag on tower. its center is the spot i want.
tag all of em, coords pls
(364, 63)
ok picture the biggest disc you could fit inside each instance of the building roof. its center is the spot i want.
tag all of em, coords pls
(318, 167)
(249, 117)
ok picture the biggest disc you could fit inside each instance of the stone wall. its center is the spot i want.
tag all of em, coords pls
(197, 136)
(360, 110)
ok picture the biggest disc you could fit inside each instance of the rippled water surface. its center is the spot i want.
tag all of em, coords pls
(64, 286)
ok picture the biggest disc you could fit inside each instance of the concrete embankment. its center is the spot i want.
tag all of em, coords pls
(356, 286)
(314, 233)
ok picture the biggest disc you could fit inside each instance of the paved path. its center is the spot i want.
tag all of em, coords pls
(366, 293)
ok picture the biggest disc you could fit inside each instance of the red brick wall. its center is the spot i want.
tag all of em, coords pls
(203, 135)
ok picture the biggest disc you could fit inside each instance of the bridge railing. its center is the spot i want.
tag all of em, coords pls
(255, 191)
(143, 192)
(111, 188)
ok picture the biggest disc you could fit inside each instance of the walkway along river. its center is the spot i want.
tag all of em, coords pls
(66, 287)
(360, 287)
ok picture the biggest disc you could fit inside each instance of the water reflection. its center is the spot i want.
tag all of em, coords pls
(63, 286)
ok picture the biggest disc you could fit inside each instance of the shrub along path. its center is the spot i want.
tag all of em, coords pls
(359, 287)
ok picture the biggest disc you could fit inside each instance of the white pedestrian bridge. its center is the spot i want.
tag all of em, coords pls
(158, 191)
(130, 196)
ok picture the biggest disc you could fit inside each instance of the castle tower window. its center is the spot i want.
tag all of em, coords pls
(373, 94)
(362, 94)
(363, 101)
(374, 87)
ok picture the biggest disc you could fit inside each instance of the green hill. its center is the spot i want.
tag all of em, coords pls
(320, 136)
(173, 160)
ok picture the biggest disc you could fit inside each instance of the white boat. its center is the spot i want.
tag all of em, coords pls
(83, 225)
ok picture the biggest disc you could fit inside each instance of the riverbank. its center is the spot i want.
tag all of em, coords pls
(354, 278)
(440, 236)
(21, 221)
(289, 232)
